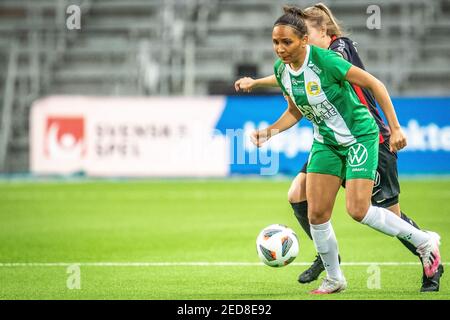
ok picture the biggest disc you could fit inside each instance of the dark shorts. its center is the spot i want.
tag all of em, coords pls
(386, 186)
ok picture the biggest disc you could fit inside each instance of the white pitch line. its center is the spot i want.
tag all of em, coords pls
(187, 264)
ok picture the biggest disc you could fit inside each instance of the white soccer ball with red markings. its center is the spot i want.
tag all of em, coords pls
(277, 245)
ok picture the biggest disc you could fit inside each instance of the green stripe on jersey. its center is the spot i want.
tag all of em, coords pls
(324, 97)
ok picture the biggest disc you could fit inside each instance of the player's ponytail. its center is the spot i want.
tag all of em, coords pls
(295, 18)
(321, 16)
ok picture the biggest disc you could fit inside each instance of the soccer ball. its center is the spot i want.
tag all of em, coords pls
(277, 245)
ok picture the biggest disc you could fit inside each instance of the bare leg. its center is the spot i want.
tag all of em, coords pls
(297, 191)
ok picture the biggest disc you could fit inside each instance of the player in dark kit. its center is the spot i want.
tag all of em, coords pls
(325, 32)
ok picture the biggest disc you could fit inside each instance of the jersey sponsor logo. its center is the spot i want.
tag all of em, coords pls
(298, 87)
(297, 91)
(318, 112)
(313, 88)
(296, 82)
(314, 68)
(309, 114)
(324, 110)
(357, 155)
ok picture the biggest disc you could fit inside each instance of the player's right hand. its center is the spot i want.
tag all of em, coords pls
(259, 137)
(397, 140)
(245, 84)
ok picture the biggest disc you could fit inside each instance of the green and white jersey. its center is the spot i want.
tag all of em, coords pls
(324, 97)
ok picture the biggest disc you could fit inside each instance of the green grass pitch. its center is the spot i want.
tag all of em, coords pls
(188, 221)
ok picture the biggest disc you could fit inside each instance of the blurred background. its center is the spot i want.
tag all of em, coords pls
(194, 50)
(93, 93)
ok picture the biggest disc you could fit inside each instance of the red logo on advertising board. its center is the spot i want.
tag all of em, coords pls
(64, 138)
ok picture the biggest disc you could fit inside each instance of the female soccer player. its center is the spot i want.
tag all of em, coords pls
(325, 32)
(316, 83)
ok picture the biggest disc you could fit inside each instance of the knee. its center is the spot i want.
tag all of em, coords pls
(317, 215)
(357, 209)
(292, 195)
(297, 191)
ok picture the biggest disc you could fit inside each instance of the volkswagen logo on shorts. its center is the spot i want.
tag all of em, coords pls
(357, 155)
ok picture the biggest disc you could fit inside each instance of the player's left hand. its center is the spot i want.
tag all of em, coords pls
(397, 140)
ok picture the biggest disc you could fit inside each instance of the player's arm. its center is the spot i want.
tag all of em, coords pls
(289, 118)
(364, 79)
(247, 84)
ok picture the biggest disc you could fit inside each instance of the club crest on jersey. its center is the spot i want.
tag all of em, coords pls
(313, 88)
(357, 155)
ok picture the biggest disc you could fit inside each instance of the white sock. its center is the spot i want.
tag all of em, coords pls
(389, 223)
(326, 245)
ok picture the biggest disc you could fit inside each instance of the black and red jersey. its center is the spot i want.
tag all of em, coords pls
(346, 47)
